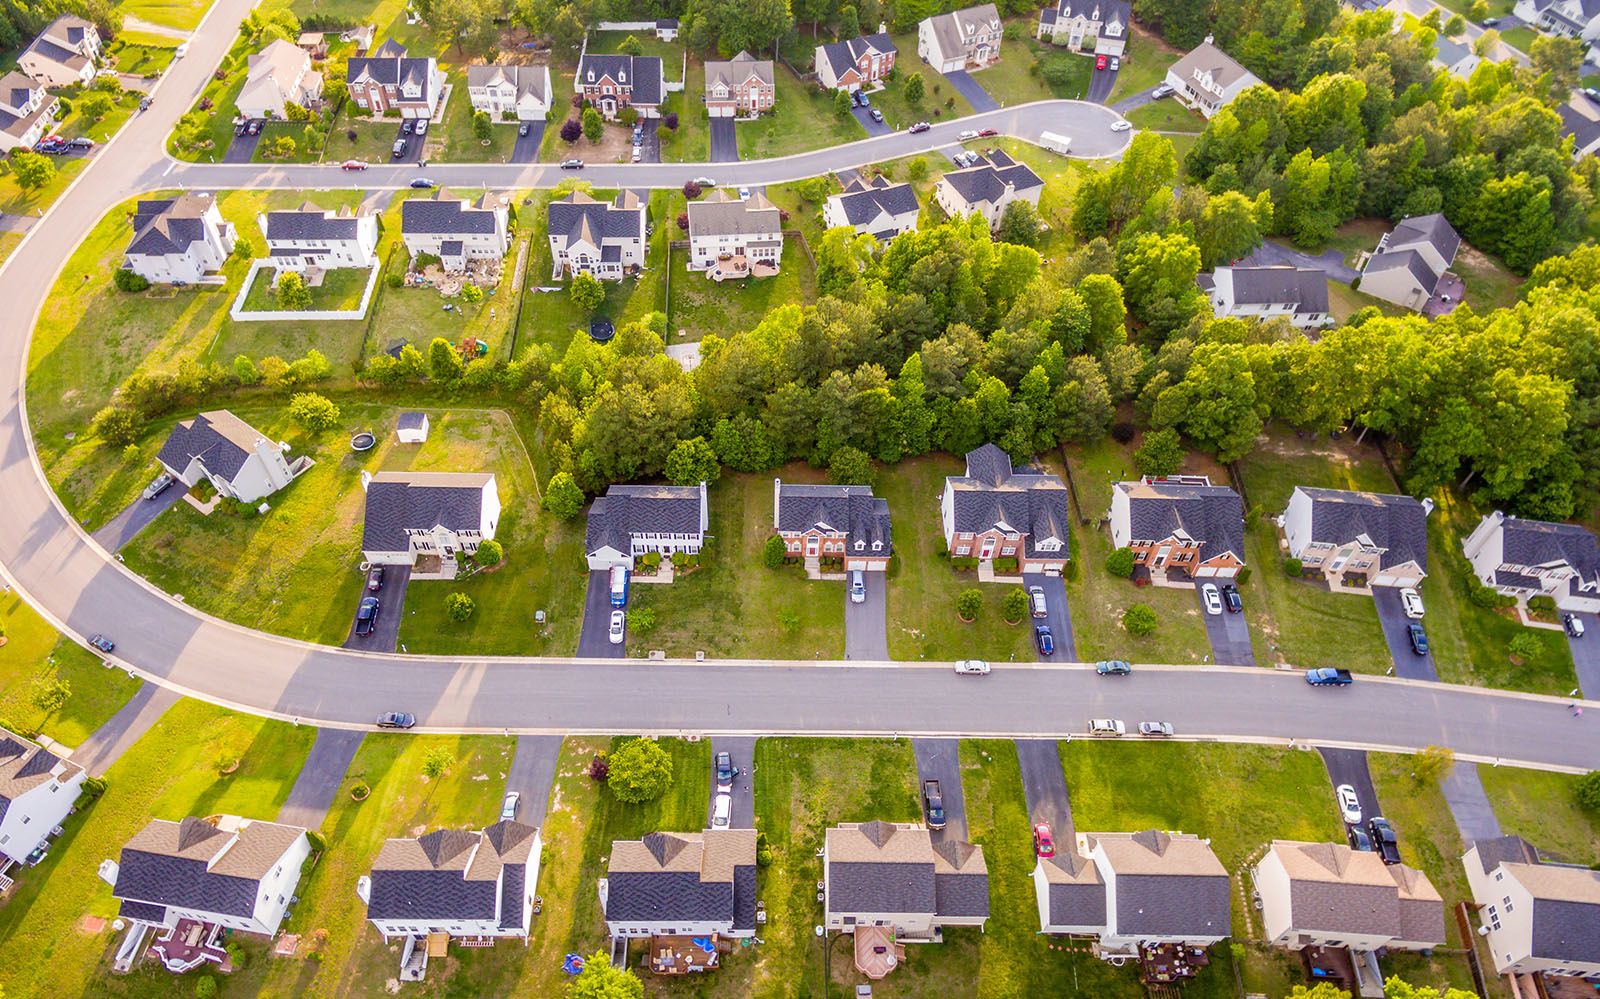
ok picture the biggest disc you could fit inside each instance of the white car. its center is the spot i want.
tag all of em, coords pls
(1106, 726)
(968, 134)
(705, 182)
(721, 811)
(1411, 600)
(422, 126)
(1212, 598)
(619, 621)
(1158, 729)
(1349, 803)
(975, 667)
(744, 194)
(508, 808)
(1121, 125)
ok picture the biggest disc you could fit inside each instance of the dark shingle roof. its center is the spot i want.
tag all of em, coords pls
(1566, 930)
(1304, 288)
(1584, 128)
(881, 887)
(143, 910)
(512, 879)
(961, 894)
(641, 73)
(863, 202)
(411, 421)
(850, 510)
(441, 216)
(744, 897)
(651, 896)
(628, 510)
(1211, 515)
(454, 874)
(842, 56)
(619, 219)
(987, 181)
(169, 225)
(1434, 229)
(311, 222)
(992, 493)
(390, 65)
(401, 501)
(195, 865)
(1396, 523)
(1538, 542)
(1177, 905)
(218, 439)
(1505, 849)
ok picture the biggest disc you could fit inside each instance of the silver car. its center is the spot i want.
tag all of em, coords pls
(1156, 728)
(973, 667)
(619, 623)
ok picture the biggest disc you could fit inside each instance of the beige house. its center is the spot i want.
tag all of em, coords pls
(1358, 539)
(988, 189)
(892, 875)
(1328, 895)
(1410, 262)
(1208, 79)
(64, 53)
(743, 86)
(277, 76)
(963, 39)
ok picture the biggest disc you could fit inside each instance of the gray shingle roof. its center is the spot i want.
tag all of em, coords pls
(744, 897)
(723, 214)
(1407, 260)
(1211, 515)
(195, 865)
(1396, 523)
(528, 80)
(987, 181)
(628, 510)
(850, 510)
(1505, 849)
(169, 225)
(1434, 229)
(1224, 70)
(449, 216)
(1303, 288)
(618, 219)
(642, 74)
(221, 441)
(863, 202)
(1103, 11)
(955, 29)
(738, 70)
(993, 493)
(143, 910)
(401, 501)
(311, 222)
(881, 887)
(411, 421)
(450, 874)
(1566, 930)
(1580, 122)
(1177, 905)
(961, 894)
(1539, 542)
(842, 56)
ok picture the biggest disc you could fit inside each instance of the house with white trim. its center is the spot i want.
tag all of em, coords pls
(856, 63)
(965, 39)
(997, 511)
(1537, 917)
(457, 230)
(1097, 26)
(1357, 539)
(1328, 895)
(27, 112)
(519, 91)
(631, 520)
(37, 792)
(988, 188)
(427, 520)
(238, 460)
(821, 520)
(878, 208)
(390, 79)
(671, 887)
(322, 238)
(1528, 558)
(1298, 294)
(63, 53)
(1207, 78)
(474, 886)
(1180, 528)
(276, 77)
(179, 240)
(603, 238)
(743, 86)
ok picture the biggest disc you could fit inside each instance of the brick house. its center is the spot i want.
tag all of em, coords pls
(390, 79)
(740, 87)
(856, 63)
(1179, 528)
(995, 511)
(827, 521)
(614, 82)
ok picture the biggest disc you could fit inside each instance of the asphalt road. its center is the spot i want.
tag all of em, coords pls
(968, 86)
(533, 770)
(940, 760)
(1045, 788)
(594, 639)
(320, 777)
(1586, 655)
(385, 636)
(1392, 617)
(724, 141)
(135, 517)
(742, 749)
(1133, 101)
(123, 729)
(1349, 766)
(527, 148)
(1228, 633)
(866, 625)
(1059, 618)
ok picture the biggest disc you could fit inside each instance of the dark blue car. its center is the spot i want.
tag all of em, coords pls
(1043, 639)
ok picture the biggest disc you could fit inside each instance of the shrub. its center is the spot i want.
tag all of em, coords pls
(1122, 433)
(472, 293)
(316, 413)
(969, 604)
(1585, 790)
(490, 552)
(963, 563)
(1243, 575)
(691, 190)
(482, 126)
(117, 426)
(599, 768)
(1120, 563)
(205, 988)
(1293, 568)
(763, 850)
(775, 551)
(459, 606)
(789, 621)
(649, 561)
(640, 771)
(594, 126)
(127, 280)
(571, 130)
(1015, 604)
(1544, 603)
(670, 119)
(562, 497)
(1005, 565)
(1139, 620)
(1487, 597)
(1524, 647)
(49, 692)
(642, 620)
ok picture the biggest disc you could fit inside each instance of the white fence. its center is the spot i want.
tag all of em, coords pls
(239, 314)
(625, 26)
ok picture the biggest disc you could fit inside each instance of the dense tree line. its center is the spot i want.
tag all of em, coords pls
(21, 20)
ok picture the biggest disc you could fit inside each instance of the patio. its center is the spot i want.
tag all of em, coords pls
(682, 955)
(1166, 963)
(876, 952)
(1328, 964)
(190, 944)
(1446, 296)
(735, 267)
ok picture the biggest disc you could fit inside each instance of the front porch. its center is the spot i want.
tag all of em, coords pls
(432, 566)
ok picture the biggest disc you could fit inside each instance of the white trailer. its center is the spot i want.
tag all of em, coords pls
(1058, 143)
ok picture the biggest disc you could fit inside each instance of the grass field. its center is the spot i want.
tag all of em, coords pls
(1167, 116)
(340, 291)
(1144, 65)
(183, 15)
(32, 650)
(699, 305)
(1540, 807)
(1018, 78)
(801, 119)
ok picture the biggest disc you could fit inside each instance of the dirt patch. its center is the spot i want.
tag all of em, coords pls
(91, 926)
(615, 145)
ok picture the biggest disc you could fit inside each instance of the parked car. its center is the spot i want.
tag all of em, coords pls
(422, 126)
(1327, 676)
(159, 485)
(1165, 90)
(1156, 728)
(1044, 842)
(920, 126)
(396, 719)
(975, 667)
(724, 764)
(619, 624)
(1121, 125)
(875, 115)
(1490, 22)
(1419, 638)
(1349, 803)
(102, 643)
(255, 123)
(705, 182)
(572, 164)
(1359, 840)
(241, 127)
(855, 98)
(81, 142)
(1106, 727)
(1211, 598)
(1230, 597)
(866, 101)
(984, 133)
(353, 165)
(1116, 64)
(637, 155)
(181, 51)
(858, 586)
(508, 807)
(1100, 62)
(1044, 640)
(398, 149)
(422, 183)
(1113, 667)
(407, 126)
(1384, 840)
(722, 811)
(1573, 624)
(367, 615)
(1036, 601)
(375, 579)
(970, 133)
(524, 128)
(1411, 602)
(933, 804)
(744, 194)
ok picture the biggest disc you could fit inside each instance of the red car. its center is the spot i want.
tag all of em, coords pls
(1100, 62)
(353, 165)
(984, 133)
(1044, 844)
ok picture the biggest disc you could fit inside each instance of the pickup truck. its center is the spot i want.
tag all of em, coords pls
(933, 804)
(1329, 677)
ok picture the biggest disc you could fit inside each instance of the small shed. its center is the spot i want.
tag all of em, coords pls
(413, 428)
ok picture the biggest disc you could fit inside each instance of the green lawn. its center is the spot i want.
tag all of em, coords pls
(339, 291)
(1144, 64)
(143, 54)
(460, 145)
(1540, 807)
(1167, 116)
(304, 151)
(219, 116)
(15, 200)
(699, 305)
(373, 142)
(34, 649)
(1018, 77)
(1489, 284)
(184, 15)
(735, 607)
(803, 118)
(1521, 37)
(899, 113)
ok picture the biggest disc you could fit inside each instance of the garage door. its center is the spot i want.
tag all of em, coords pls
(856, 564)
(723, 111)
(1384, 581)
(1205, 571)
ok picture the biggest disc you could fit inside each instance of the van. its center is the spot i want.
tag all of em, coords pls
(398, 149)
(858, 586)
(619, 586)
(1036, 601)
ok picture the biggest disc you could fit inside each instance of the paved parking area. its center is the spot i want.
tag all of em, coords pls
(1059, 618)
(527, 148)
(969, 88)
(319, 780)
(1045, 787)
(391, 603)
(742, 750)
(1101, 81)
(1586, 655)
(1228, 632)
(1392, 616)
(533, 770)
(866, 625)
(724, 141)
(940, 760)
(593, 640)
(135, 517)
(242, 148)
(413, 150)
(864, 116)
(1349, 766)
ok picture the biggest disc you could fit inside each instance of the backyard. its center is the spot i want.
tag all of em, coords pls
(339, 290)
(698, 305)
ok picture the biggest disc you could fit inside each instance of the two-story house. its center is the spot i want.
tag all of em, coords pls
(996, 511)
(821, 521)
(967, 39)
(427, 519)
(731, 237)
(1357, 539)
(311, 237)
(200, 878)
(1455, 56)
(238, 460)
(26, 112)
(390, 79)
(1207, 79)
(1410, 262)
(629, 521)
(1328, 895)
(1179, 528)
(1567, 18)
(1527, 558)
(182, 239)
(988, 188)
(878, 208)
(671, 888)
(614, 82)
(1540, 917)
(742, 87)
(1580, 121)
(63, 53)
(473, 886)
(275, 77)
(456, 230)
(37, 792)
(1100, 26)
(603, 238)
(1298, 294)
(859, 63)
(522, 92)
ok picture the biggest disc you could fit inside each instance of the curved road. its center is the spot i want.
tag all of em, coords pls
(80, 589)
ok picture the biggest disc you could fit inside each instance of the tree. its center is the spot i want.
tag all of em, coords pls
(1108, 322)
(571, 129)
(1014, 605)
(32, 170)
(1159, 454)
(1158, 273)
(95, 105)
(283, 146)
(482, 127)
(245, 370)
(1455, 26)
(1019, 224)
(1293, 568)
(1561, 57)
(969, 604)
(117, 426)
(774, 552)
(1139, 620)
(1120, 562)
(586, 292)
(1431, 764)
(842, 104)
(849, 466)
(1586, 791)
(914, 88)
(691, 191)
(1321, 990)
(670, 120)
(691, 462)
(594, 126)
(444, 363)
(316, 413)
(1478, 11)
(640, 771)
(437, 762)
(49, 692)
(205, 987)
(1230, 226)
(1395, 988)
(291, 292)
(600, 979)
(562, 497)
(471, 293)
(458, 606)
(127, 280)
(490, 552)
(631, 46)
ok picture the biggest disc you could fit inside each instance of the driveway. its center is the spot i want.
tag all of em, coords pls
(320, 777)
(864, 116)
(391, 602)
(969, 88)
(724, 142)
(940, 760)
(1059, 619)
(1349, 766)
(1329, 262)
(1392, 616)
(414, 144)
(242, 148)
(742, 750)
(650, 148)
(866, 625)
(527, 148)
(1045, 787)
(1228, 632)
(533, 770)
(594, 641)
(1585, 654)
(135, 517)
(1134, 101)
(124, 728)
(1463, 792)
(1101, 82)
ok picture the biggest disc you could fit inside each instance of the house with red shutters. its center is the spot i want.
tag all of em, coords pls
(997, 511)
(614, 82)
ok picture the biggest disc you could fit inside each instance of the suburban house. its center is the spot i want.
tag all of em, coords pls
(1180, 528)
(856, 63)
(275, 77)
(887, 883)
(743, 87)
(631, 520)
(1527, 558)
(1357, 539)
(1540, 916)
(1455, 56)
(1133, 891)
(323, 238)
(389, 79)
(1328, 895)
(194, 880)
(988, 188)
(37, 792)
(1100, 26)
(733, 238)
(182, 239)
(968, 38)
(238, 460)
(427, 519)
(522, 92)
(674, 887)
(1568, 18)
(996, 511)
(614, 82)
(1410, 261)
(1206, 79)
(1580, 119)
(27, 112)
(1297, 294)
(667, 29)
(456, 230)
(827, 521)
(63, 53)
(476, 886)
(603, 238)
(879, 208)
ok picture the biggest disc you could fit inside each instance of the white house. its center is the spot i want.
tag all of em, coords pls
(1410, 261)
(988, 188)
(1527, 558)
(603, 238)
(1380, 539)
(37, 792)
(731, 237)
(1568, 18)
(312, 237)
(26, 112)
(1455, 56)
(196, 878)
(1297, 294)
(1100, 26)
(879, 208)
(240, 461)
(1580, 119)
(968, 39)
(412, 428)
(682, 885)
(1328, 895)
(894, 876)
(275, 77)
(1206, 79)
(426, 519)
(1540, 916)
(64, 53)
(522, 92)
(456, 230)
(629, 521)
(856, 63)
(997, 511)
(182, 239)
(477, 886)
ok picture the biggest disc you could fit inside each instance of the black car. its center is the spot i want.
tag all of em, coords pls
(1044, 640)
(396, 719)
(102, 643)
(725, 770)
(367, 615)
(1359, 840)
(375, 579)
(1419, 638)
(1230, 598)
(422, 183)
(406, 126)
(1573, 624)
(1384, 840)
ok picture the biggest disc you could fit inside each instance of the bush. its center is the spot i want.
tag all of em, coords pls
(205, 988)
(562, 497)
(1487, 597)
(459, 606)
(482, 126)
(127, 280)
(969, 604)
(763, 850)
(691, 191)
(1585, 790)
(586, 292)
(316, 413)
(1242, 576)
(116, 426)
(1005, 565)
(238, 957)
(1293, 568)
(775, 551)
(642, 620)
(640, 771)
(963, 563)
(1015, 604)
(1139, 620)
(571, 130)
(1524, 647)
(649, 561)
(1544, 603)
(1120, 563)
(599, 768)
(472, 293)
(490, 552)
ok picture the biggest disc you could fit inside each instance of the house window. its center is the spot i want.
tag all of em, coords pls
(964, 550)
(849, 920)
(877, 546)
(1009, 550)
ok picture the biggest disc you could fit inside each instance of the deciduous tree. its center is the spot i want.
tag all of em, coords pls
(640, 771)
